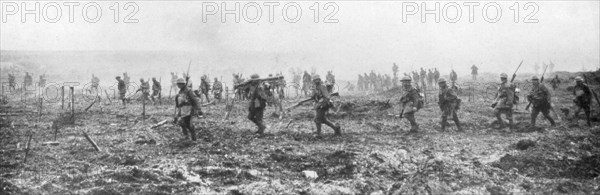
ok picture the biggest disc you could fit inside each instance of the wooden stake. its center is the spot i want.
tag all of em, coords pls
(72, 89)
(107, 97)
(28, 147)
(86, 109)
(143, 106)
(89, 139)
(41, 109)
(62, 97)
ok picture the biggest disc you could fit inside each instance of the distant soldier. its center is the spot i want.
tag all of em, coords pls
(95, 83)
(204, 87)
(453, 77)
(359, 83)
(416, 78)
(42, 81)
(474, 70)
(409, 101)
(330, 78)
(436, 74)
(280, 84)
(156, 89)
(539, 96)
(122, 89)
(373, 79)
(11, 82)
(423, 77)
(217, 89)
(145, 89)
(258, 101)
(366, 82)
(583, 99)
(395, 78)
(504, 101)
(27, 80)
(555, 82)
(306, 83)
(449, 103)
(321, 96)
(429, 77)
(187, 106)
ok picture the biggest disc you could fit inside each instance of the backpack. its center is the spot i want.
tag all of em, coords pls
(420, 101)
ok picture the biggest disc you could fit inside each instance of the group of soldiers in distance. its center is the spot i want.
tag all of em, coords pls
(27, 81)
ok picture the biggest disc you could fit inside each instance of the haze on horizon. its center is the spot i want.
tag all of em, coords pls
(369, 36)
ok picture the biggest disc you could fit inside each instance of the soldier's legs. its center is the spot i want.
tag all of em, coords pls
(443, 123)
(319, 119)
(509, 116)
(546, 113)
(455, 119)
(588, 115)
(413, 123)
(534, 114)
(498, 114)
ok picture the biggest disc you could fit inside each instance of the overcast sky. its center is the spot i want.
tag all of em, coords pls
(368, 36)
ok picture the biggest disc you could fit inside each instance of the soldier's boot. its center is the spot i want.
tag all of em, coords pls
(443, 125)
(500, 121)
(192, 132)
(533, 121)
(458, 127)
(336, 127)
(185, 132)
(552, 123)
(261, 128)
(318, 126)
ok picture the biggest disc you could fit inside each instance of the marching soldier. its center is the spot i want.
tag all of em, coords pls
(122, 89)
(321, 96)
(42, 81)
(156, 89)
(436, 74)
(409, 102)
(173, 81)
(11, 82)
(555, 82)
(539, 96)
(306, 83)
(145, 88)
(258, 101)
(453, 77)
(95, 83)
(583, 99)
(330, 81)
(474, 71)
(416, 78)
(449, 103)
(429, 77)
(204, 87)
(27, 80)
(187, 105)
(217, 89)
(423, 77)
(504, 101)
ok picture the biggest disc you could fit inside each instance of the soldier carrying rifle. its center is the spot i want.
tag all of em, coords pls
(539, 96)
(322, 97)
(258, 101)
(504, 101)
(583, 98)
(187, 105)
(449, 103)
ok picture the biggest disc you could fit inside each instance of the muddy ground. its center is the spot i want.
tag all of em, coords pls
(375, 154)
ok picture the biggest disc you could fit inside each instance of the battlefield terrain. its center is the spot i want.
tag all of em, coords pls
(45, 149)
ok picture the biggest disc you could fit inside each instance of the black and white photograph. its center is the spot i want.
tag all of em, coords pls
(307, 97)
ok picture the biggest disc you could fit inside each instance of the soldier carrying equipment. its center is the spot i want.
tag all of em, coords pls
(504, 101)
(258, 101)
(449, 103)
(540, 81)
(583, 99)
(410, 104)
(217, 89)
(156, 89)
(186, 106)
(323, 103)
(540, 97)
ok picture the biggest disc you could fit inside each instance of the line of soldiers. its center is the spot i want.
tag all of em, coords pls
(449, 103)
(373, 81)
(27, 81)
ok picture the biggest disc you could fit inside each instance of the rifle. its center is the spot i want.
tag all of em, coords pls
(541, 83)
(511, 80)
(308, 100)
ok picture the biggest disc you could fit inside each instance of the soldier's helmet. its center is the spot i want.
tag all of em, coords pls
(153, 78)
(118, 77)
(503, 75)
(442, 80)
(535, 78)
(180, 80)
(579, 78)
(405, 79)
(254, 76)
(316, 77)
